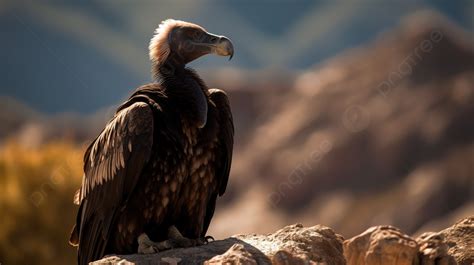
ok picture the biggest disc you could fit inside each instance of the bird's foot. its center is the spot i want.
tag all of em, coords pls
(175, 240)
(178, 240)
(146, 246)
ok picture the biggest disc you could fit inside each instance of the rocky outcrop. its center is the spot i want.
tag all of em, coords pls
(433, 249)
(237, 254)
(460, 240)
(386, 245)
(295, 245)
(381, 245)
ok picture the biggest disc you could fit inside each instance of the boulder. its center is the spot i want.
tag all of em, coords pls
(320, 245)
(381, 245)
(293, 244)
(460, 240)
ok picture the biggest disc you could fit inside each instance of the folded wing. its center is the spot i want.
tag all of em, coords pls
(112, 166)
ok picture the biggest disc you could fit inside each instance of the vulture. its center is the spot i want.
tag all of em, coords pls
(152, 176)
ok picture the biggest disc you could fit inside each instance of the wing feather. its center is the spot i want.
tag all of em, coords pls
(225, 142)
(112, 166)
(225, 137)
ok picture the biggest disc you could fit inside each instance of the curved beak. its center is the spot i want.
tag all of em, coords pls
(225, 47)
(221, 45)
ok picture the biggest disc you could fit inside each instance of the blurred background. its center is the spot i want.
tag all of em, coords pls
(347, 113)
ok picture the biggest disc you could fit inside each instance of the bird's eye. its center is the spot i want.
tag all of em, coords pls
(196, 35)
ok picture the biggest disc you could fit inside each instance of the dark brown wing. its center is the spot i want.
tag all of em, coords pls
(226, 137)
(224, 151)
(112, 166)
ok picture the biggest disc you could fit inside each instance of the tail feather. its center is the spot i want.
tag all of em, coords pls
(94, 248)
(74, 238)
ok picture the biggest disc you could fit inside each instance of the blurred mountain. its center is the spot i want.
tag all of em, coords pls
(32, 128)
(56, 55)
(380, 134)
(13, 115)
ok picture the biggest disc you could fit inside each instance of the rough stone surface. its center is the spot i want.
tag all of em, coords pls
(237, 254)
(381, 245)
(292, 244)
(460, 240)
(318, 245)
(388, 245)
(433, 249)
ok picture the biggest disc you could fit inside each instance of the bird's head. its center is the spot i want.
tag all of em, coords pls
(182, 42)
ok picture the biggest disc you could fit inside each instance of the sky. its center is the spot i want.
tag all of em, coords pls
(83, 56)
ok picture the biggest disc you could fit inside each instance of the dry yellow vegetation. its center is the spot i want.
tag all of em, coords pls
(36, 209)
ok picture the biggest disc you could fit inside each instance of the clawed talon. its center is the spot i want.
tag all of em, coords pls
(146, 246)
(208, 239)
(203, 241)
(175, 240)
(178, 240)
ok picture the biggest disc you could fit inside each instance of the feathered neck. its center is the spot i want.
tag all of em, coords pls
(190, 94)
(182, 85)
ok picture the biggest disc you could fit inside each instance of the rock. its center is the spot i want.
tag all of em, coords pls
(388, 245)
(318, 245)
(292, 244)
(460, 240)
(237, 254)
(381, 245)
(433, 249)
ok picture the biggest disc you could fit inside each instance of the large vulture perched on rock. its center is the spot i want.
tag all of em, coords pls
(152, 176)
